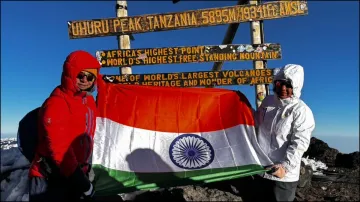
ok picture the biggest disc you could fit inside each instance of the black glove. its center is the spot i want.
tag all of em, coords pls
(80, 181)
(271, 169)
(90, 193)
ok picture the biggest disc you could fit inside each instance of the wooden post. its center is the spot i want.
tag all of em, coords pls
(256, 38)
(265, 61)
(123, 40)
(228, 38)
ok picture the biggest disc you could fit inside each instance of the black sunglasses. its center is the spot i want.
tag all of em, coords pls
(89, 76)
(280, 83)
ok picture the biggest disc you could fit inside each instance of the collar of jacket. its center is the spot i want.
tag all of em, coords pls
(77, 94)
(284, 102)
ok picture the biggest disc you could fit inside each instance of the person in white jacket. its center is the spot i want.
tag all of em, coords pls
(284, 127)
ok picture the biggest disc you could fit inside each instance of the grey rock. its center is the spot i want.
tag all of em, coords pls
(351, 160)
(320, 150)
(305, 178)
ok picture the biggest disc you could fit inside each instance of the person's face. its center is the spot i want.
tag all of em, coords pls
(85, 80)
(283, 89)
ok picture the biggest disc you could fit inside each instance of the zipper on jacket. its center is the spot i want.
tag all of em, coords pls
(265, 110)
(272, 125)
(89, 126)
(87, 131)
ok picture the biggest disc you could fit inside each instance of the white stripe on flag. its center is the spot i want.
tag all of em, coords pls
(126, 148)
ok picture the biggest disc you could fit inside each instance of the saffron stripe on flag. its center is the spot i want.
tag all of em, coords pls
(171, 109)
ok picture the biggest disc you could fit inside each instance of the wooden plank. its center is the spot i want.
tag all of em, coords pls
(189, 19)
(196, 79)
(188, 54)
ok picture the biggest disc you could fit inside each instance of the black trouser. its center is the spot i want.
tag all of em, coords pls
(54, 189)
(271, 190)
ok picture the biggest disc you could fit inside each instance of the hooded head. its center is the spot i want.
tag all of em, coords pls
(295, 74)
(76, 62)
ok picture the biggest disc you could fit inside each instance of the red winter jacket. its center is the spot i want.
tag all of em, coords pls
(67, 121)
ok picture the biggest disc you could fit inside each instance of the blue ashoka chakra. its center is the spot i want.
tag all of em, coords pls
(191, 151)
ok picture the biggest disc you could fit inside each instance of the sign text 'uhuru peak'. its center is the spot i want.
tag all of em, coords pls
(188, 54)
(188, 19)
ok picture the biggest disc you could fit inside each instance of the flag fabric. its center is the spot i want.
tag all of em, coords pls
(149, 137)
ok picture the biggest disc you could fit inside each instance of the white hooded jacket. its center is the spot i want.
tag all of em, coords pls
(285, 125)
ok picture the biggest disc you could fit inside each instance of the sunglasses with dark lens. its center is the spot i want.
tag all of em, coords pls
(280, 83)
(89, 76)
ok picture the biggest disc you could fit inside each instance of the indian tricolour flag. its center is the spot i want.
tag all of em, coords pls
(149, 137)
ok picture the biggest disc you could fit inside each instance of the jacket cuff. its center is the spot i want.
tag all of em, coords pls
(286, 166)
(79, 180)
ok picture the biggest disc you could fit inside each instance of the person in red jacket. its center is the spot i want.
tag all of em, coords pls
(60, 168)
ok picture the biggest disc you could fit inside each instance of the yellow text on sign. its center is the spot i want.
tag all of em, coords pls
(196, 18)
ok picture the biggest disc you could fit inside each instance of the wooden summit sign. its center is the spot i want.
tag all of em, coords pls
(196, 79)
(190, 54)
(188, 19)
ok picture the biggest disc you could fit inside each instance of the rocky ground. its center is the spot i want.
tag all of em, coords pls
(341, 185)
(339, 182)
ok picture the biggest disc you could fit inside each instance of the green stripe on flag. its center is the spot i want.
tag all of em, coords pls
(110, 182)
